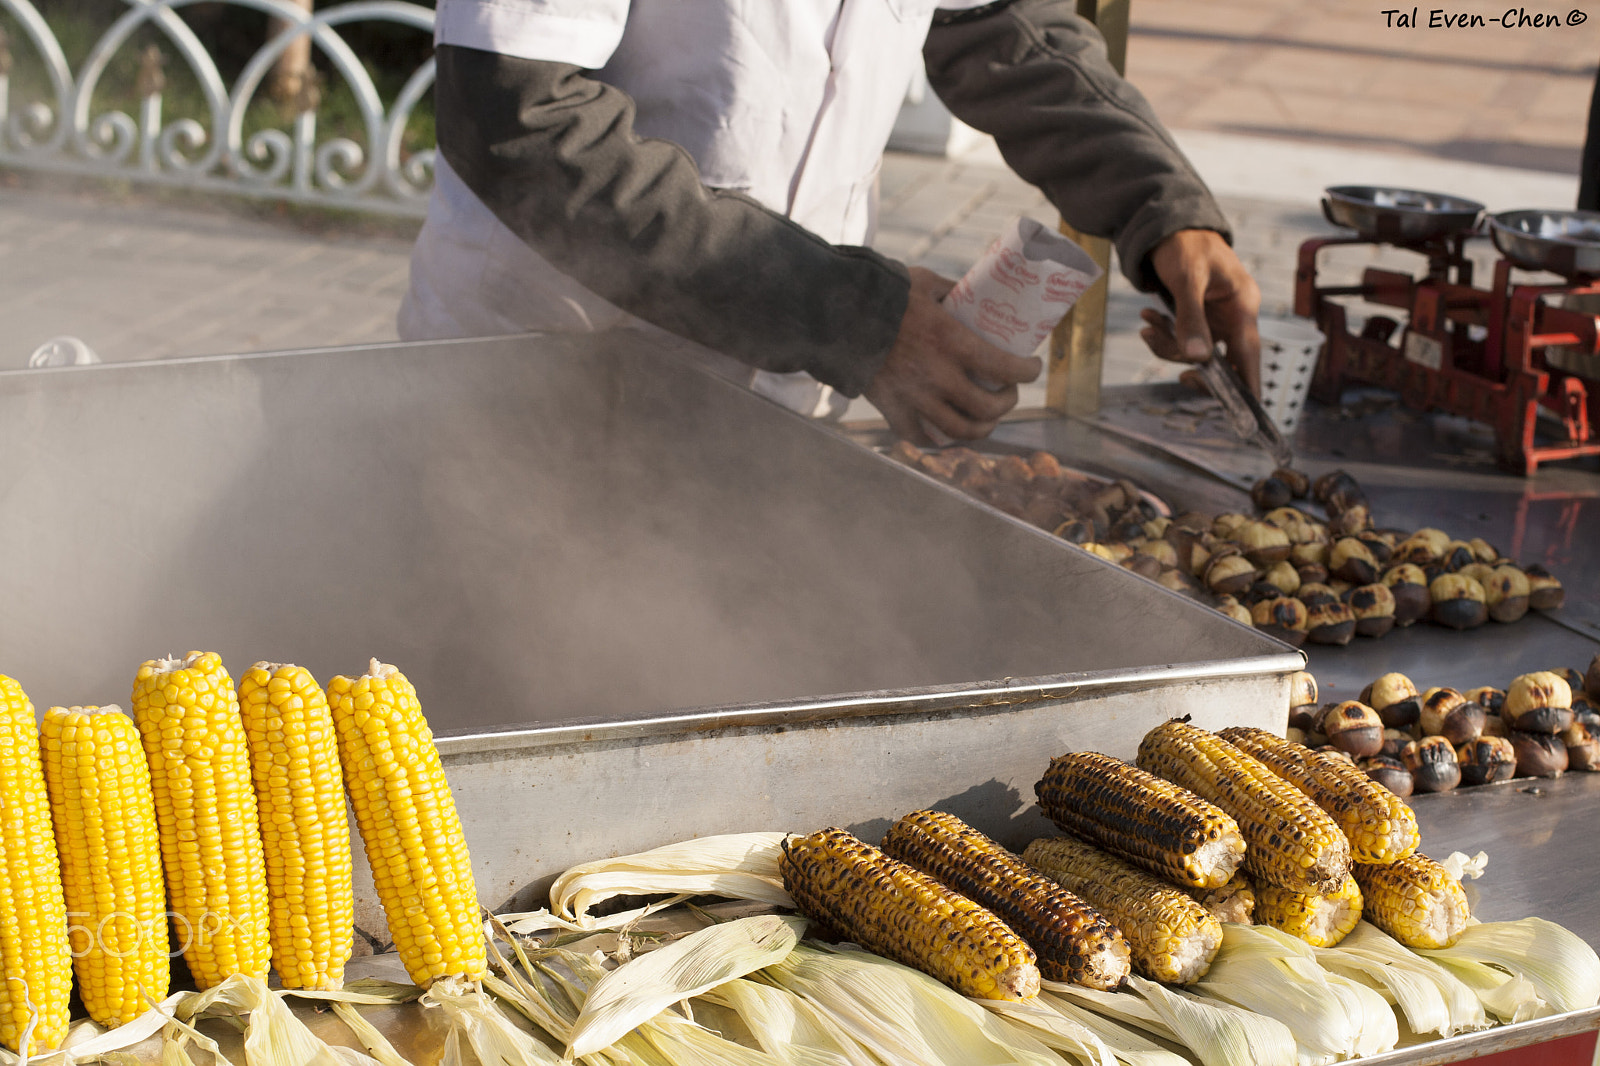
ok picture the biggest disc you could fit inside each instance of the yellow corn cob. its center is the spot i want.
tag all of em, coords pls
(903, 914)
(1073, 941)
(35, 958)
(408, 824)
(1415, 901)
(1321, 921)
(1153, 824)
(188, 718)
(1378, 824)
(1233, 902)
(305, 835)
(1292, 842)
(105, 823)
(1172, 937)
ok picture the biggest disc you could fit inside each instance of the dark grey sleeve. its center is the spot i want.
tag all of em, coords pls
(553, 154)
(1035, 76)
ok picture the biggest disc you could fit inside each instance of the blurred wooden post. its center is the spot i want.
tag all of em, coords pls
(1077, 346)
(284, 84)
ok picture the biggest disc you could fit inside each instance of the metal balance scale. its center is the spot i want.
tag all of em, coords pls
(1498, 355)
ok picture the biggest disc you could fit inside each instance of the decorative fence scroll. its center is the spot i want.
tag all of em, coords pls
(62, 132)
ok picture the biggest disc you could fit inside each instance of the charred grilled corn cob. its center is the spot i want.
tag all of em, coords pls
(408, 824)
(1233, 902)
(35, 959)
(1073, 941)
(294, 762)
(1321, 921)
(105, 821)
(1153, 824)
(1415, 901)
(188, 717)
(1292, 842)
(1378, 824)
(1172, 937)
(903, 914)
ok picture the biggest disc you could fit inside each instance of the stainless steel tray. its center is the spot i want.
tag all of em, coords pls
(1562, 242)
(1399, 216)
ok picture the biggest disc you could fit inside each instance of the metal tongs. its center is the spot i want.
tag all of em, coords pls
(1246, 417)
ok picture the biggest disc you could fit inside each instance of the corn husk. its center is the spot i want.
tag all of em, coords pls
(1561, 968)
(1271, 973)
(783, 1024)
(1432, 999)
(1218, 1033)
(903, 1015)
(736, 866)
(1126, 1042)
(638, 991)
(1057, 1030)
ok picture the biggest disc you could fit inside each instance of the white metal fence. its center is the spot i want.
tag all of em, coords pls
(62, 132)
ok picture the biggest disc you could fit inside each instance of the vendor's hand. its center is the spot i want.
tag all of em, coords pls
(928, 376)
(1214, 299)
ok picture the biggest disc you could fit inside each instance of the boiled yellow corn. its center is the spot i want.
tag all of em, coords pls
(408, 824)
(1073, 941)
(1320, 920)
(188, 717)
(35, 959)
(305, 834)
(105, 824)
(1292, 842)
(903, 914)
(1378, 824)
(1153, 824)
(1414, 900)
(1172, 937)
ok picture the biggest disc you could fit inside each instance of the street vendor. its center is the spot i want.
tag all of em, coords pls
(710, 168)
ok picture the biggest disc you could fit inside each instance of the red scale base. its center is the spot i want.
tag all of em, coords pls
(1481, 354)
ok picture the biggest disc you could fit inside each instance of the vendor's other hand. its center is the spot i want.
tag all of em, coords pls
(1214, 299)
(928, 376)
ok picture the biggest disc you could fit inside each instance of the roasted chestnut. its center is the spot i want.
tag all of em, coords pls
(1228, 523)
(1338, 491)
(1284, 577)
(1075, 531)
(1422, 547)
(1304, 718)
(1432, 762)
(1583, 747)
(1485, 760)
(1494, 726)
(1374, 609)
(1111, 553)
(1299, 484)
(1409, 586)
(1591, 678)
(1334, 753)
(1584, 710)
(1270, 492)
(1309, 553)
(1230, 574)
(1484, 551)
(1395, 699)
(1490, 699)
(1544, 590)
(1479, 572)
(1457, 553)
(1506, 592)
(1349, 523)
(1178, 581)
(1262, 543)
(1295, 735)
(1261, 590)
(1352, 726)
(1457, 601)
(1352, 561)
(1447, 713)
(1573, 679)
(1310, 573)
(1538, 703)
(1235, 610)
(1283, 617)
(1157, 527)
(1378, 544)
(1389, 772)
(1160, 550)
(1143, 565)
(1330, 623)
(1539, 754)
(1313, 594)
(1302, 689)
(1395, 741)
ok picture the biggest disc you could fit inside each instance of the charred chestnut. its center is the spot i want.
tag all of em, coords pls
(1160, 550)
(1235, 610)
(1283, 617)
(1349, 523)
(1485, 760)
(1539, 754)
(1583, 747)
(1479, 572)
(1309, 553)
(1311, 573)
(1447, 713)
(1487, 697)
(1395, 741)
(1395, 699)
(1573, 679)
(1299, 484)
(1506, 591)
(1457, 553)
(1457, 601)
(1178, 581)
(1352, 561)
(1230, 574)
(1284, 577)
(1544, 590)
(1075, 531)
(1583, 710)
(1495, 726)
(1111, 553)
(1352, 726)
(1330, 623)
(1312, 595)
(1143, 565)
(1409, 586)
(1432, 762)
(1538, 703)
(1228, 523)
(1484, 551)
(1422, 548)
(1295, 735)
(1302, 689)
(1304, 719)
(1261, 590)
(1270, 492)
(1262, 543)
(1378, 544)
(1389, 772)
(1373, 606)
